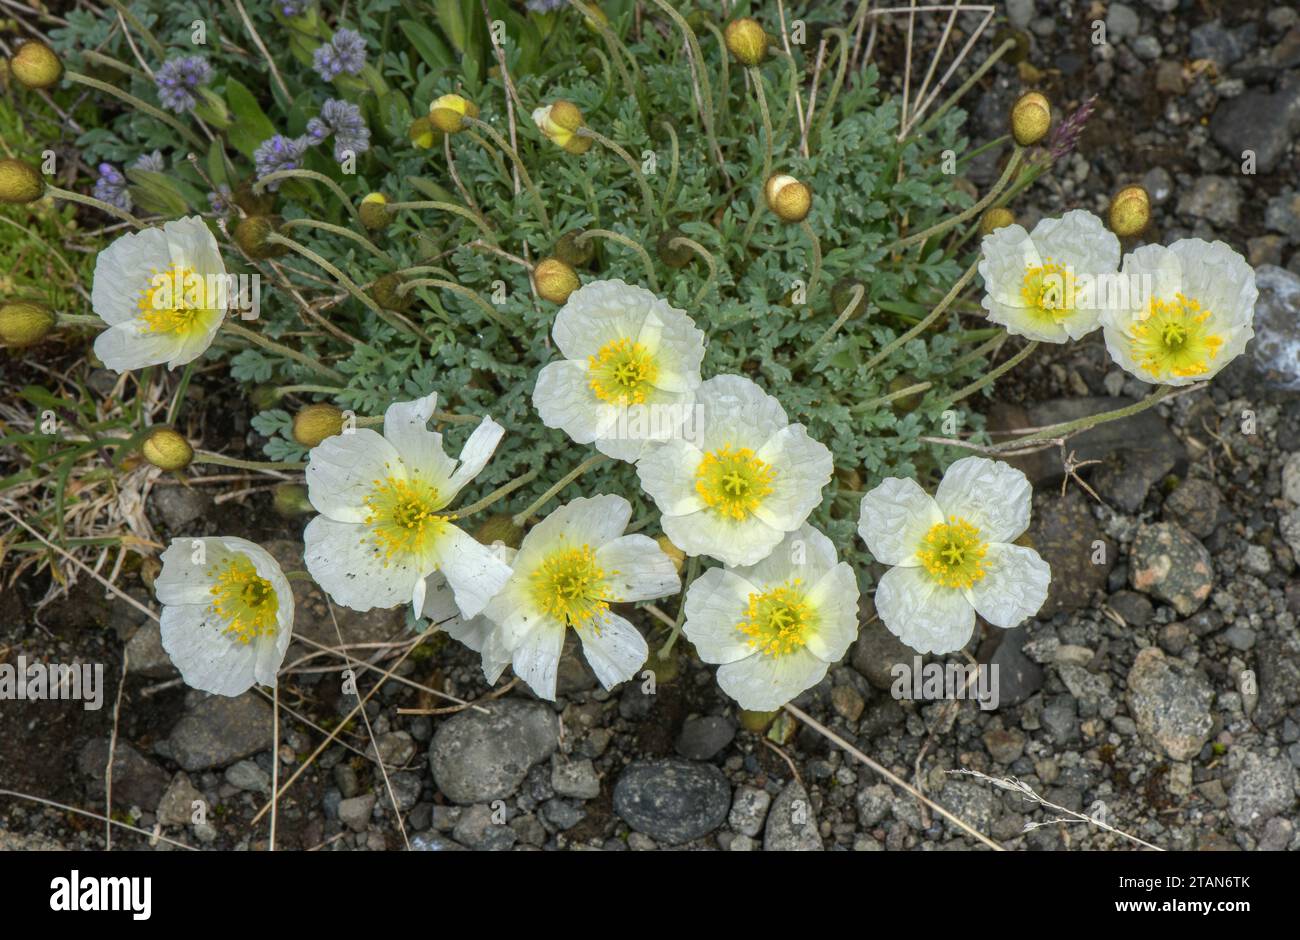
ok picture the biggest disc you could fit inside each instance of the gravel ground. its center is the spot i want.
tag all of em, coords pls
(1159, 689)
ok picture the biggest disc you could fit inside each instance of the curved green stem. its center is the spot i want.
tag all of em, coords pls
(203, 456)
(492, 313)
(499, 493)
(269, 344)
(706, 90)
(91, 201)
(334, 187)
(708, 259)
(605, 142)
(815, 244)
(520, 518)
(1012, 165)
(624, 240)
(524, 177)
(448, 207)
(993, 375)
(193, 139)
(925, 322)
(337, 230)
(672, 172)
(859, 292)
(910, 390)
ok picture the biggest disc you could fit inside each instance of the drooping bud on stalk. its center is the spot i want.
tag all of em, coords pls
(910, 402)
(290, 500)
(167, 449)
(500, 528)
(746, 40)
(24, 323)
(20, 182)
(36, 65)
(448, 113)
(423, 134)
(555, 280)
(374, 212)
(996, 218)
(790, 199)
(252, 202)
(316, 422)
(574, 250)
(842, 293)
(675, 256)
(1031, 118)
(560, 123)
(387, 293)
(250, 235)
(1130, 212)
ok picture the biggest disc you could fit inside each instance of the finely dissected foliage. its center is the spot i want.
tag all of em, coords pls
(760, 295)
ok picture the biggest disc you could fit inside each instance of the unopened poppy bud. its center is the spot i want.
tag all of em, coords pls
(167, 449)
(670, 251)
(843, 293)
(1130, 212)
(374, 212)
(387, 292)
(996, 218)
(422, 133)
(555, 280)
(314, 423)
(906, 403)
(746, 40)
(290, 500)
(560, 123)
(500, 528)
(23, 322)
(790, 199)
(36, 65)
(251, 201)
(251, 235)
(20, 182)
(1031, 118)
(574, 250)
(448, 113)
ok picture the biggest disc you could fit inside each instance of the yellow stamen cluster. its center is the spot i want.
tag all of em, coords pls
(403, 518)
(174, 301)
(733, 482)
(1048, 290)
(952, 553)
(1172, 338)
(622, 373)
(777, 622)
(244, 599)
(571, 587)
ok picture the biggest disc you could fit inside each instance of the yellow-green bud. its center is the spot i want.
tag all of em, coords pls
(316, 422)
(36, 65)
(23, 323)
(555, 280)
(1031, 118)
(574, 250)
(374, 212)
(250, 235)
(167, 449)
(756, 722)
(843, 292)
(675, 256)
(253, 203)
(996, 218)
(423, 134)
(675, 554)
(790, 199)
(448, 113)
(20, 182)
(385, 293)
(1130, 212)
(500, 528)
(560, 123)
(1020, 51)
(906, 403)
(290, 499)
(746, 40)
(264, 397)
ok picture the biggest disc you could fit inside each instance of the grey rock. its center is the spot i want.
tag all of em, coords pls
(1133, 607)
(346, 779)
(246, 775)
(1282, 214)
(1126, 476)
(1259, 121)
(1257, 560)
(973, 803)
(562, 814)
(1020, 12)
(1169, 563)
(1225, 47)
(574, 778)
(873, 804)
(137, 781)
(1194, 505)
(478, 758)
(176, 807)
(1065, 533)
(395, 749)
(1291, 478)
(1276, 346)
(1279, 681)
(1146, 48)
(218, 730)
(1216, 199)
(1121, 22)
(477, 829)
(1158, 184)
(875, 653)
(178, 506)
(1005, 745)
(1018, 676)
(433, 842)
(1170, 703)
(1265, 787)
(791, 823)
(748, 810)
(145, 654)
(355, 812)
(1277, 835)
(672, 801)
(1060, 718)
(703, 738)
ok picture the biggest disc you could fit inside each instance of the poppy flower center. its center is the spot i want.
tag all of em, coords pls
(952, 553)
(176, 301)
(571, 587)
(1173, 338)
(777, 622)
(733, 482)
(402, 517)
(244, 599)
(622, 373)
(1048, 290)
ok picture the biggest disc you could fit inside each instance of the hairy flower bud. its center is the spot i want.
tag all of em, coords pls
(560, 123)
(423, 134)
(500, 528)
(573, 249)
(167, 449)
(843, 292)
(555, 280)
(675, 256)
(374, 212)
(24, 322)
(316, 422)
(20, 182)
(1031, 118)
(36, 65)
(385, 292)
(250, 235)
(746, 40)
(790, 199)
(290, 499)
(448, 113)
(1130, 212)
(996, 218)
(252, 202)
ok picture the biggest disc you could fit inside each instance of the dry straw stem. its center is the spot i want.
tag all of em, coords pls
(85, 812)
(1018, 786)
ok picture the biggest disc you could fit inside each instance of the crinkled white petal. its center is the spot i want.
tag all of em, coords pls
(476, 453)
(893, 519)
(993, 496)
(734, 542)
(926, 616)
(194, 637)
(637, 569)
(802, 467)
(715, 604)
(667, 474)
(186, 563)
(765, 683)
(733, 411)
(130, 345)
(615, 649)
(586, 520)
(406, 428)
(804, 553)
(342, 470)
(835, 601)
(345, 563)
(475, 571)
(1014, 585)
(564, 399)
(536, 658)
(602, 312)
(122, 272)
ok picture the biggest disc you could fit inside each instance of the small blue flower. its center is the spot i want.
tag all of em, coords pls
(111, 187)
(279, 153)
(220, 200)
(346, 52)
(545, 6)
(342, 119)
(152, 162)
(292, 8)
(177, 80)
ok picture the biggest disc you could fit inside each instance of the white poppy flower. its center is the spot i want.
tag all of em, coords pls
(227, 613)
(162, 293)
(381, 529)
(746, 477)
(775, 627)
(1050, 284)
(953, 555)
(571, 566)
(478, 632)
(629, 373)
(1189, 311)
